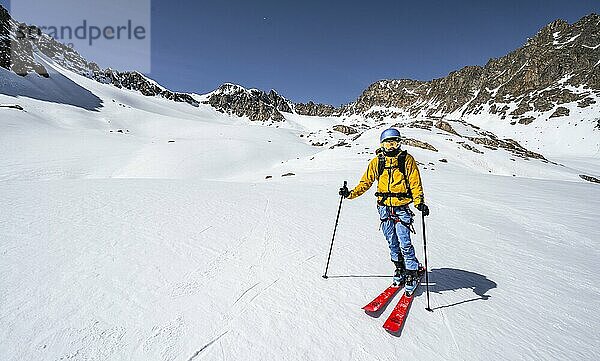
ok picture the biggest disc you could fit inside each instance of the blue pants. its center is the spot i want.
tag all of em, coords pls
(398, 234)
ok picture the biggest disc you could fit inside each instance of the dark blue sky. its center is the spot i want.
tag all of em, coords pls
(330, 51)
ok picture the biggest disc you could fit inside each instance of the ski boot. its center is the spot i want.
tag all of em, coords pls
(410, 283)
(399, 274)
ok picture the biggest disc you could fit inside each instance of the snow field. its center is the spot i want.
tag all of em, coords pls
(166, 242)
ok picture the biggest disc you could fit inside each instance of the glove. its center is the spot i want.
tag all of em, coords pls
(344, 192)
(423, 208)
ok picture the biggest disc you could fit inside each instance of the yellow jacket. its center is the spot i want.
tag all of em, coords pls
(392, 183)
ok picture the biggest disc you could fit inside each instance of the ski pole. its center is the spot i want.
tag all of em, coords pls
(334, 228)
(426, 267)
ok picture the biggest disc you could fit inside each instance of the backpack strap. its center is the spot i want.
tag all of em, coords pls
(402, 163)
(402, 166)
(380, 163)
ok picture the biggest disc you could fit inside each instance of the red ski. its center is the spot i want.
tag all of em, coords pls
(383, 299)
(396, 319)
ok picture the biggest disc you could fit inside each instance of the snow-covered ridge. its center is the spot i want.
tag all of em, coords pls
(19, 55)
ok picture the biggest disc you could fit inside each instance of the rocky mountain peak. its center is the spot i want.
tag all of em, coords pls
(258, 105)
(556, 67)
(16, 51)
(313, 109)
(255, 104)
(556, 25)
(20, 43)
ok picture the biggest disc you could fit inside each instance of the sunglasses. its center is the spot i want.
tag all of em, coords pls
(390, 143)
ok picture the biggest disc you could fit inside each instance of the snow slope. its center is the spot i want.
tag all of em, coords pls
(126, 246)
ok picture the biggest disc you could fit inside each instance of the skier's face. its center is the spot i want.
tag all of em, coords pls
(391, 144)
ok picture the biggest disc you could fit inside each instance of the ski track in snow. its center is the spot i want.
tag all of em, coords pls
(246, 291)
(195, 355)
(450, 331)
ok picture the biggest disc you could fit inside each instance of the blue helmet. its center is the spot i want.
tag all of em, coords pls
(389, 133)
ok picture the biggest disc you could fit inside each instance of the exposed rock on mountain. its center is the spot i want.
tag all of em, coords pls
(345, 129)
(258, 105)
(139, 82)
(559, 112)
(558, 65)
(470, 147)
(589, 178)
(20, 44)
(421, 124)
(417, 143)
(312, 109)
(445, 126)
(12, 106)
(16, 51)
(475, 136)
(252, 103)
(493, 143)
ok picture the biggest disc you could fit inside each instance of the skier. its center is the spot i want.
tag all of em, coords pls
(398, 184)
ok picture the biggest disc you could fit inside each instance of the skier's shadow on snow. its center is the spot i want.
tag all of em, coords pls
(440, 280)
(450, 279)
(445, 279)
